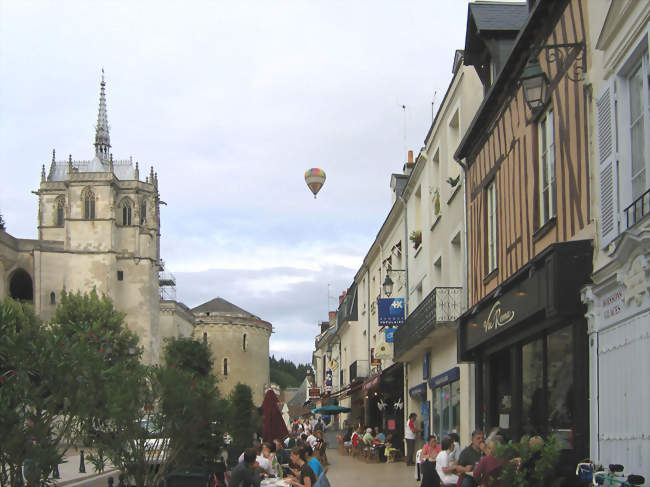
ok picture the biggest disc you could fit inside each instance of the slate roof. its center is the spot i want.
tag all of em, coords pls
(499, 16)
(220, 305)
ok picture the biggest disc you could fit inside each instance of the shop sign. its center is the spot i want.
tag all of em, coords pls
(612, 304)
(418, 391)
(314, 393)
(390, 311)
(511, 308)
(390, 334)
(445, 378)
(328, 381)
(374, 360)
(384, 351)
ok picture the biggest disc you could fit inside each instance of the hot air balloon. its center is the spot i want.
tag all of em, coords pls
(315, 178)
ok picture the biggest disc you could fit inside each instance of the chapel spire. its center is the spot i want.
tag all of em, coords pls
(102, 138)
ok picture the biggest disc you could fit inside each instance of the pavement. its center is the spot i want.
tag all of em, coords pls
(347, 471)
(69, 470)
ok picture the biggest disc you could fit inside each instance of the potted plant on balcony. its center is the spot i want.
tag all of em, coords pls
(416, 238)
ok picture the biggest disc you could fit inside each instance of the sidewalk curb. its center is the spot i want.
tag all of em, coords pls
(81, 480)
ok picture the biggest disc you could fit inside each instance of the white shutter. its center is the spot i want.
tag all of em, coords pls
(607, 158)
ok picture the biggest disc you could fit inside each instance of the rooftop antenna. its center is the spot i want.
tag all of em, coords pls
(433, 102)
(329, 284)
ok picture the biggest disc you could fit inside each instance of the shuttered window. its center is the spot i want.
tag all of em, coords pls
(608, 167)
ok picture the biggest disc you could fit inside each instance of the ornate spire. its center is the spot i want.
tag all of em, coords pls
(102, 138)
(49, 176)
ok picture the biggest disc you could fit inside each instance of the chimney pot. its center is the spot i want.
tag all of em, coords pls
(410, 160)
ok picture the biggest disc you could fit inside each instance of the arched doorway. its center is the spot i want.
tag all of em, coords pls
(20, 286)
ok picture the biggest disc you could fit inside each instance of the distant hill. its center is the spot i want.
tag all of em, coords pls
(286, 374)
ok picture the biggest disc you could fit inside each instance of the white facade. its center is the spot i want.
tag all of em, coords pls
(618, 300)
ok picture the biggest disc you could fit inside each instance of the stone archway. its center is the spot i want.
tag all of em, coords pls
(21, 287)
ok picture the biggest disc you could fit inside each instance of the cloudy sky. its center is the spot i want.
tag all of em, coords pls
(231, 101)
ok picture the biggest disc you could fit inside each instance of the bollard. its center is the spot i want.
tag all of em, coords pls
(55, 472)
(110, 481)
(82, 465)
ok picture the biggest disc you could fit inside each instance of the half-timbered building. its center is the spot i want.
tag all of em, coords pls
(529, 227)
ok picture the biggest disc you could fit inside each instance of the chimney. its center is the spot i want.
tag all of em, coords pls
(332, 316)
(409, 165)
(341, 297)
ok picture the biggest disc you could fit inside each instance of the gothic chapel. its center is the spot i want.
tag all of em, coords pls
(99, 227)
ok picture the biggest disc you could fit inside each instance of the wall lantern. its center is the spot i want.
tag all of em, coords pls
(535, 85)
(388, 286)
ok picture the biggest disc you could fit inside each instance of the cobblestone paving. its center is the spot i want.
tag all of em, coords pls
(345, 471)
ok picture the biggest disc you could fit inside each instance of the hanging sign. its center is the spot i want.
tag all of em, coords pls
(384, 351)
(328, 381)
(390, 334)
(314, 392)
(391, 311)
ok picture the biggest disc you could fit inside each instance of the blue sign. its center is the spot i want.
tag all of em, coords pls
(391, 311)
(390, 332)
(443, 379)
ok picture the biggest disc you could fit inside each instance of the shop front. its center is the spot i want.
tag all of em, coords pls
(384, 401)
(528, 340)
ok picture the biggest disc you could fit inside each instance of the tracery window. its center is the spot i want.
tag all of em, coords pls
(127, 211)
(59, 205)
(88, 197)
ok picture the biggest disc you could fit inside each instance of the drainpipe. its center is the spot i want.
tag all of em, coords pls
(406, 257)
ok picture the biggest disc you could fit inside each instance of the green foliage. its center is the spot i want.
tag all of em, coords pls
(188, 354)
(243, 418)
(286, 374)
(42, 389)
(94, 319)
(2, 223)
(535, 466)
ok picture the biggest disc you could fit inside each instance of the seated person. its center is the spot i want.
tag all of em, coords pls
(303, 476)
(447, 472)
(489, 467)
(312, 461)
(245, 473)
(390, 452)
(470, 457)
(379, 436)
(430, 449)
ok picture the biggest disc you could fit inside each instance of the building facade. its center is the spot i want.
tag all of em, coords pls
(619, 297)
(530, 231)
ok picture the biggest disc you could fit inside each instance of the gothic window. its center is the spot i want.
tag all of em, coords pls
(52, 298)
(88, 198)
(244, 342)
(59, 205)
(225, 366)
(127, 211)
(143, 212)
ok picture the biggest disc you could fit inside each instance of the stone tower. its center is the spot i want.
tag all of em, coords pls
(99, 226)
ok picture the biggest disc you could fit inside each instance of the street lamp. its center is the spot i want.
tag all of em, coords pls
(535, 85)
(388, 285)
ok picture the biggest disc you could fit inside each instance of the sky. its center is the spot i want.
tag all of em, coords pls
(231, 102)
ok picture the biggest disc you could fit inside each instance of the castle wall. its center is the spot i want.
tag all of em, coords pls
(248, 365)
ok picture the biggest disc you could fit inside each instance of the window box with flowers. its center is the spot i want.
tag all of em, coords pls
(416, 238)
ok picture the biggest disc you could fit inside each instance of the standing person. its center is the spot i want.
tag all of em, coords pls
(470, 456)
(303, 476)
(245, 473)
(409, 435)
(447, 472)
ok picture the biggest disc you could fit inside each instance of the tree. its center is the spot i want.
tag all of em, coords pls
(2, 223)
(243, 419)
(43, 376)
(188, 354)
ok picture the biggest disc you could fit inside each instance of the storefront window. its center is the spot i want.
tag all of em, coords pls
(560, 378)
(446, 409)
(532, 374)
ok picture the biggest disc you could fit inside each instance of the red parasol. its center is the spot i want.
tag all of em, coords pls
(272, 422)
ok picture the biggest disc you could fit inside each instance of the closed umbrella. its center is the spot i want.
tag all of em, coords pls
(273, 425)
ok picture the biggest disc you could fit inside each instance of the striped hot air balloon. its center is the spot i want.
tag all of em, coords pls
(315, 178)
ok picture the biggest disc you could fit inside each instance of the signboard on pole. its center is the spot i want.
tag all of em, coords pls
(390, 311)
(390, 334)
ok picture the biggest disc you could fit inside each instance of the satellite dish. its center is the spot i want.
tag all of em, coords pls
(315, 178)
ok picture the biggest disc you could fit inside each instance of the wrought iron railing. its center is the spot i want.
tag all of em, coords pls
(637, 210)
(442, 305)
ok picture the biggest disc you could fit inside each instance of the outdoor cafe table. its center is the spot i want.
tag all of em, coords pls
(274, 483)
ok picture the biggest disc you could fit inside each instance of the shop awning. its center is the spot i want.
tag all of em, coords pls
(445, 378)
(418, 391)
(371, 383)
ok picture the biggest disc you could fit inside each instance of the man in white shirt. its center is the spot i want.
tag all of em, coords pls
(447, 471)
(312, 440)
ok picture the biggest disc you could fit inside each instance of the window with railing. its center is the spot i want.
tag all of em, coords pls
(637, 210)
